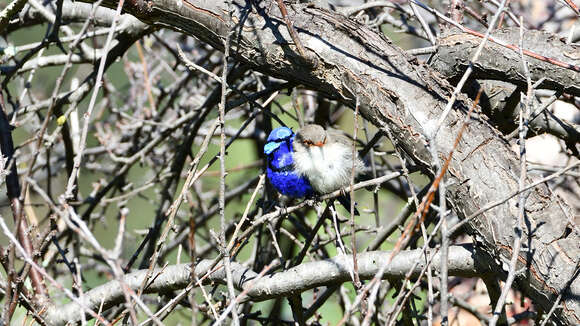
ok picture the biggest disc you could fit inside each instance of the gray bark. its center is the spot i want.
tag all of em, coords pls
(498, 62)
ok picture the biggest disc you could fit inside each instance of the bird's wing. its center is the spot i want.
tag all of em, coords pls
(338, 136)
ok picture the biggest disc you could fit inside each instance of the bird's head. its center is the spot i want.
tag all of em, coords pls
(276, 138)
(311, 135)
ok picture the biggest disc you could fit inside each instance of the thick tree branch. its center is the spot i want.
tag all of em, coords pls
(500, 101)
(71, 12)
(501, 63)
(463, 261)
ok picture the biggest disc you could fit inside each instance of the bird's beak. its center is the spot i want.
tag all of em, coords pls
(320, 143)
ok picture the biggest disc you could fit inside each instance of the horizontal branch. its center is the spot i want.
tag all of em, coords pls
(498, 62)
(72, 11)
(463, 261)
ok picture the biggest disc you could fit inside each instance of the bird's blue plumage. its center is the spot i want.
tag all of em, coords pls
(280, 169)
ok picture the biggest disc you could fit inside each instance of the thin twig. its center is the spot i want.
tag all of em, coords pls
(222, 182)
(357, 283)
(71, 185)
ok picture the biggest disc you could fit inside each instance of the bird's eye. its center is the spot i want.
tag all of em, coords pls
(307, 142)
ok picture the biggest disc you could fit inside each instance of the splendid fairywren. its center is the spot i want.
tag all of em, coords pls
(325, 158)
(313, 161)
(280, 165)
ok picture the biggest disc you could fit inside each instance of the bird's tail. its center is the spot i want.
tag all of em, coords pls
(344, 200)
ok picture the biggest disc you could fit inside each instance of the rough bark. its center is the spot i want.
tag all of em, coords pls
(398, 94)
(455, 49)
(498, 62)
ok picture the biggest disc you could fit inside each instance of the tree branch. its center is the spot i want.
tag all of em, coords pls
(463, 261)
(498, 62)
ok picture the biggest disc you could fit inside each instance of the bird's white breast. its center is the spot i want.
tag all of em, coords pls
(328, 167)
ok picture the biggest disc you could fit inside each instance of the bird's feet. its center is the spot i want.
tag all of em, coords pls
(312, 200)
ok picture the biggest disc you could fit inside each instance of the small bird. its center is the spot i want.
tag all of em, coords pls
(280, 165)
(325, 158)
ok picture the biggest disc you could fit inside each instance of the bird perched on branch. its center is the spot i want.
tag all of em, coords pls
(325, 158)
(280, 167)
(314, 160)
